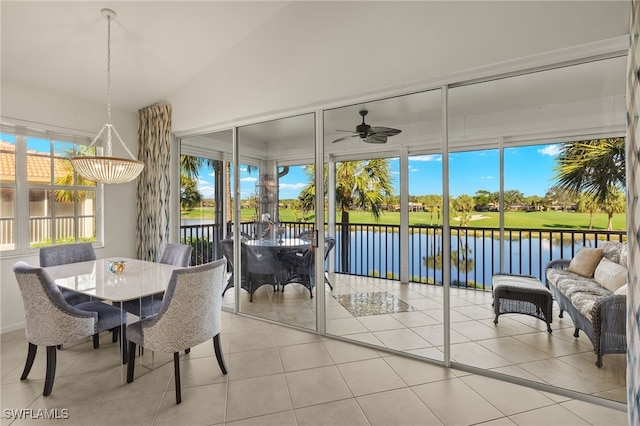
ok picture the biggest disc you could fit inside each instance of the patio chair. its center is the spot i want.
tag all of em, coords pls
(189, 316)
(243, 236)
(172, 254)
(52, 322)
(255, 271)
(305, 235)
(301, 266)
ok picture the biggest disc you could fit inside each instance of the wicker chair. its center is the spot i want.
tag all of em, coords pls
(254, 271)
(301, 266)
(52, 322)
(189, 316)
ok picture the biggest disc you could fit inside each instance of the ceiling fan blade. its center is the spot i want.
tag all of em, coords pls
(384, 131)
(375, 138)
(344, 138)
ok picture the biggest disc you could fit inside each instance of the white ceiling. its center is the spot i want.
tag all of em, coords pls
(156, 46)
(161, 47)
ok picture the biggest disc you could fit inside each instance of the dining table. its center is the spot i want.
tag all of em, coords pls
(280, 244)
(138, 279)
(279, 248)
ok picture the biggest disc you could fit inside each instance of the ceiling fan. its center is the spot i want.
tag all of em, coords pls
(369, 134)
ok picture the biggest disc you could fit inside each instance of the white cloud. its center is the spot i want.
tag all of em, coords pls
(206, 190)
(486, 177)
(433, 157)
(249, 179)
(551, 150)
(298, 185)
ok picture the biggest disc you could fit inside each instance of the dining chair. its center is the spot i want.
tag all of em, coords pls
(172, 254)
(301, 266)
(190, 315)
(64, 254)
(68, 253)
(51, 321)
(255, 271)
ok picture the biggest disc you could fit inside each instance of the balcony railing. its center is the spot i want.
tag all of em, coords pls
(41, 230)
(375, 251)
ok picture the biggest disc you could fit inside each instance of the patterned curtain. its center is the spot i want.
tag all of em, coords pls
(633, 214)
(154, 143)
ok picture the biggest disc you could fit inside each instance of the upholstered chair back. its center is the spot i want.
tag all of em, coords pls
(190, 310)
(176, 254)
(66, 253)
(50, 320)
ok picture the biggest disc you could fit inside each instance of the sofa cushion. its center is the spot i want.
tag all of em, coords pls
(586, 261)
(613, 250)
(569, 283)
(584, 301)
(610, 275)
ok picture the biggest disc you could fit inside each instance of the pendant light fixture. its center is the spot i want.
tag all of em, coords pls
(108, 169)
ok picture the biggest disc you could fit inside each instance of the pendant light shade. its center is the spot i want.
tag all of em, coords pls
(108, 169)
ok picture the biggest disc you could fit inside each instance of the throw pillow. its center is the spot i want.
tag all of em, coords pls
(585, 261)
(622, 290)
(610, 275)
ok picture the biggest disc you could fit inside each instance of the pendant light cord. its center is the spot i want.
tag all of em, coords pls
(109, 69)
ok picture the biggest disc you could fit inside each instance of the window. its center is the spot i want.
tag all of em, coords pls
(36, 177)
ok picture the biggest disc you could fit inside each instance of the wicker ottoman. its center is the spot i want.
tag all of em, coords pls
(521, 294)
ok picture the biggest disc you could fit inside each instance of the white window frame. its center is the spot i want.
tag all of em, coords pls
(21, 186)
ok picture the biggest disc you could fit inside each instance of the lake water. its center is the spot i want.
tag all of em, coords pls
(375, 253)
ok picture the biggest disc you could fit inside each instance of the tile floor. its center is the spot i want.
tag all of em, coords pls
(278, 376)
(518, 345)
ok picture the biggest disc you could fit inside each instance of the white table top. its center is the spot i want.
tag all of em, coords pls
(284, 242)
(140, 278)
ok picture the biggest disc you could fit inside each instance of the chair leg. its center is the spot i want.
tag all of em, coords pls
(131, 362)
(115, 334)
(31, 356)
(326, 280)
(123, 343)
(51, 370)
(218, 350)
(176, 367)
(96, 341)
(187, 351)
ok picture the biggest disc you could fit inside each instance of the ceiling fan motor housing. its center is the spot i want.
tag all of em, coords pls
(363, 130)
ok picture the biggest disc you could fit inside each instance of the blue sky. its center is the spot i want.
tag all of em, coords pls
(528, 169)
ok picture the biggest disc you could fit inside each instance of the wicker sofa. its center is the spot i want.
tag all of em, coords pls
(591, 288)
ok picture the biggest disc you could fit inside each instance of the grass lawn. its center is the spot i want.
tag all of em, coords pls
(537, 220)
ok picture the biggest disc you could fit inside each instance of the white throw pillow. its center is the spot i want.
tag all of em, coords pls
(621, 291)
(610, 275)
(585, 261)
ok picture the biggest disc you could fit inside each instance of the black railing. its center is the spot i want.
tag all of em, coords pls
(374, 250)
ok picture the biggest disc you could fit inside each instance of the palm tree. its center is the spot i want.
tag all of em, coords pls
(596, 167)
(616, 202)
(587, 203)
(189, 172)
(463, 204)
(363, 184)
(64, 175)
